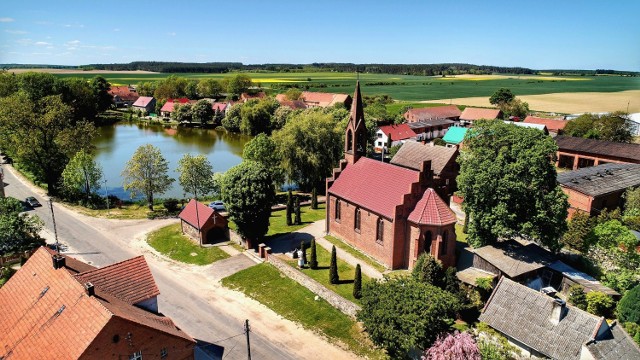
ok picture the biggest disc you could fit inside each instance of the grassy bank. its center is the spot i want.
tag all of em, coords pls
(355, 253)
(170, 241)
(291, 300)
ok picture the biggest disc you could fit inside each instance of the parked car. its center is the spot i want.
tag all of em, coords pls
(33, 202)
(217, 205)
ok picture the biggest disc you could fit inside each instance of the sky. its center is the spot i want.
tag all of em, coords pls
(541, 34)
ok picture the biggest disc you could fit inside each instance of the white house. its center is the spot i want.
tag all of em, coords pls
(392, 135)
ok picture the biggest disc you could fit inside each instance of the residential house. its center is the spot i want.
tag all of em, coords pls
(413, 155)
(471, 114)
(392, 135)
(546, 327)
(244, 97)
(554, 126)
(57, 306)
(595, 188)
(146, 104)
(389, 212)
(450, 112)
(293, 104)
(575, 153)
(431, 129)
(123, 95)
(635, 123)
(171, 104)
(203, 224)
(540, 127)
(321, 99)
(220, 107)
(455, 136)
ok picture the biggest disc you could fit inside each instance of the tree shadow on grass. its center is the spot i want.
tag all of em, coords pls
(340, 282)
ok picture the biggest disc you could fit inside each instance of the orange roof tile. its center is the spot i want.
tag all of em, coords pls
(323, 99)
(553, 125)
(200, 218)
(436, 112)
(124, 92)
(398, 132)
(472, 114)
(432, 210)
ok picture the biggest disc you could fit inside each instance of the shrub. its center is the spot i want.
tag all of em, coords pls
(599, 304)
(439, 142)
(357, 283)
(577, 297)
(459, 346)
(579, 233)
(629, 306)
(334, 278)
(170, 204)
(428, 270)
(304, 252)
(314, 257)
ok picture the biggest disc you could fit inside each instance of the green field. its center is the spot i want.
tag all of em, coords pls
(410, 88)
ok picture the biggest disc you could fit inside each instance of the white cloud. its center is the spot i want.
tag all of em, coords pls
(41, 43)
(6, 19)
(17, 32)
(171, 34)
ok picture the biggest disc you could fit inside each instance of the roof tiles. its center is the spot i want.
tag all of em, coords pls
(398, 132)
(472, 114)
(431, 210)
(413, 154)
(553, 125)
(629, 152)
(436, 112)
(601, 179)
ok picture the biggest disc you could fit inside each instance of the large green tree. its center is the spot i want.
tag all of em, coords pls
(101, 89)
(196, 174)
(614, 126)
(501, 96)
(248, 193)
(629, 306)
(202, 112)
(182, 113)
(209, 88)
(82, 174)
(147, 173)
(256, 116)
(263, 149)
(403, 314)
(18, 231)
(508, 182)
(42, 135)
(615, 246)
(236, 85)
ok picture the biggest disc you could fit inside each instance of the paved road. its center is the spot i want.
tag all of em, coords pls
(188, 309)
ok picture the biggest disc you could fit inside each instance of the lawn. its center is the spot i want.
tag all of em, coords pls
(346, 273)
(460, 236)
(278, 220)
(355, 253)
(170, 241)
(293, 301)
(126, 211)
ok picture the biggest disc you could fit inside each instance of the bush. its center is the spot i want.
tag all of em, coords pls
(428, 270)
(599, 304)
(629, 306)
(334, 278)
(439, 142)
(460, 346)
(171, 205)
(577, 297)
(579, 233)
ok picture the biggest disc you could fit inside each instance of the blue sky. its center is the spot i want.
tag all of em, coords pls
(560, 34)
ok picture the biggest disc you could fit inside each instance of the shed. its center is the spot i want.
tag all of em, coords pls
(203, 224)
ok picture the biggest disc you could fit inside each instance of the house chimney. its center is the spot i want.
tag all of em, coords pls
(558, 311)
(58, 261)
(91, 290)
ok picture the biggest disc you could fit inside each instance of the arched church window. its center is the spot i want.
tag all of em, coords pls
(349, 140)
(380, 230)
(356, 221)
(443, 246)
(338, 210)
(428, 240)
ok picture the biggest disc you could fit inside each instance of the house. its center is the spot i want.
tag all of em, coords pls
(146, 104)
(635, 123)
(443, 164)
(595, 188)
(293, 104)
(540, 127)
(471, 114)
(57, 305)
(123, 95)
(392, 135)
(321, 99)
(171, 104)
(389, 212)
(244, 97)
(455, 136)
(431, 129)
(554, 126)
(575, 153)
(545, 326)
(565, 276)
(450, 112)
(203, 224)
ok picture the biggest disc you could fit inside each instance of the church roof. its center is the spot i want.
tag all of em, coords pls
(431, 210)
(374, 185)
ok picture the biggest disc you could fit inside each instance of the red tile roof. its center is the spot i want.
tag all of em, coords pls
(219, 106)
(48, 309)
(398, 132)
(471, 114)
(204, 214)
(143, 101)
(374, 185)
(437, 112)
(246, 96)
(124, 92)
(553, 125)
(432, 210)
(130, 280)
(323, 99)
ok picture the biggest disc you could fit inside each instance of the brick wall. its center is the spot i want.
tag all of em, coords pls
(417, 243)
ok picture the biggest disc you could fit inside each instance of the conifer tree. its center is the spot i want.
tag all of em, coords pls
(314, 257)
(289, 208)
(357, 283)
(314, 198)
(304, 252)
(298, 219)
(334, 278)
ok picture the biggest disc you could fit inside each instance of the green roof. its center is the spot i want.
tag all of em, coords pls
(455, 135)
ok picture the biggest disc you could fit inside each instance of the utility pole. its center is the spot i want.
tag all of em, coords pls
(247, 329)
(106, 194)
(55, 231)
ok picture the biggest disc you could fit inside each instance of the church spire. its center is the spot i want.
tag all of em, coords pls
(355, 144)
(357, 112)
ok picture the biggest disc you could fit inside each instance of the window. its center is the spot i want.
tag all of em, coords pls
(443, 246)
(338, 210)
(379, 135)
(428, 240)
(379, 143)
(136, 355)
(380, 230)
(163, 353)
(349, 141)
(356, 222)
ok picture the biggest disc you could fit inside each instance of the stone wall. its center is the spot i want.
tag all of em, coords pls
(331, 297)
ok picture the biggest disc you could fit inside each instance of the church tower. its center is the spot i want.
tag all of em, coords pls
(355, 142)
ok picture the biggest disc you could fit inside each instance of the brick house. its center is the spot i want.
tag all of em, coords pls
(555, 126)
(575, 153)
(387, 211)
(57, 306)
(595, 188)
(203, 224)
(450, 112)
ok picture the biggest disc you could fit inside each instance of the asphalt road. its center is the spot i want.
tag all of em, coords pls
(190, 312)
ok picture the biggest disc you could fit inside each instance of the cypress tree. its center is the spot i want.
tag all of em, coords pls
(314, 257)
(334, 278)
(314, 198)
(298, 219)
(357, 283)
(304, 252)
(289, 208)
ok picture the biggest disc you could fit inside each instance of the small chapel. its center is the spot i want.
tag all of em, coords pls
(389, 212)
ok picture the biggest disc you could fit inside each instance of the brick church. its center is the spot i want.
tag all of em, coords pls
(391, 213)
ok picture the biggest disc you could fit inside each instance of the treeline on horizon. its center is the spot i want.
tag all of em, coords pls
(395, 69)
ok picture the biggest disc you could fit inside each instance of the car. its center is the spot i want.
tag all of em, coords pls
(217, 205)
(33, 202)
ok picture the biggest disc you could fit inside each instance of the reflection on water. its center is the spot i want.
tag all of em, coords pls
(115, 145)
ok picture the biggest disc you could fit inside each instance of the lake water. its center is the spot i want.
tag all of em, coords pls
(115, 145)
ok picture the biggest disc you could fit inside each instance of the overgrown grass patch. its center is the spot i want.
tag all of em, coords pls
(294, 302)
(355, 253)
(170, 241)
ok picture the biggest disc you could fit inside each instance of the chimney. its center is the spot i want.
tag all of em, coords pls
(58, 261)
(558, 311)
(91, 290)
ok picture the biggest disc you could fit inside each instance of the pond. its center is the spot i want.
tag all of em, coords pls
(115, 145)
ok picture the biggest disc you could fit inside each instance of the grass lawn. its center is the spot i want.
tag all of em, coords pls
(170, 242)
(278, 220)
(346, 273)
(357, 254)
(460, 236)
(126, 211)
(293, 301)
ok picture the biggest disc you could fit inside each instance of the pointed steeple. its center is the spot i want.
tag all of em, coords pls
(357, 112)
(355, 144)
